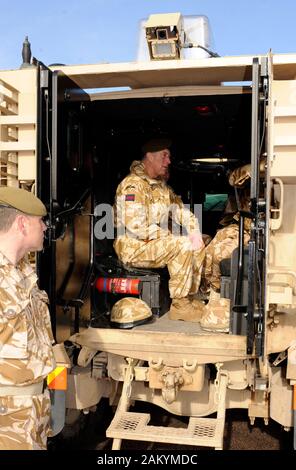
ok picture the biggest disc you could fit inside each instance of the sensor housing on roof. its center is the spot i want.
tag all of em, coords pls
(164, 34)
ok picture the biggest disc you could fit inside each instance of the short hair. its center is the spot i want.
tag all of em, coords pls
(7, 217)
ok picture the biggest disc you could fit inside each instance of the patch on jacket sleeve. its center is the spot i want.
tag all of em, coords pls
(130, 197)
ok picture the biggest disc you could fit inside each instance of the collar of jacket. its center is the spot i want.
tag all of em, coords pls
(137, 168)
(18, 273)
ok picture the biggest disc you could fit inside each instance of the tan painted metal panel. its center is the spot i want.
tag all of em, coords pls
(172, 347)
(165, 19)
(209, 71)
(170, 91)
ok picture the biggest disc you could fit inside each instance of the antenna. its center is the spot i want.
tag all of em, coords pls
(26, 53)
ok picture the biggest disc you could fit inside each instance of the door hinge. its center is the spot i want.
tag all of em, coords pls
(44, 78)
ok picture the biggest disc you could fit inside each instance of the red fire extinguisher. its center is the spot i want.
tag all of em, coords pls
(118, 285)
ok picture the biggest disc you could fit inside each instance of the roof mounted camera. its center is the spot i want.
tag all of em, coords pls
(164, 35)
(169, 36)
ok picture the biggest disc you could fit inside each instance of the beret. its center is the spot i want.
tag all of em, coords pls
(22, 200)
(157, 144)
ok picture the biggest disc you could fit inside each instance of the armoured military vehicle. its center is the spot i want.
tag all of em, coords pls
(72, 145)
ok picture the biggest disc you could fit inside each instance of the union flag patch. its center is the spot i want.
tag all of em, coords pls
(129, 197)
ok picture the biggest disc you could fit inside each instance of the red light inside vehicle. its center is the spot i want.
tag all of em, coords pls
(203, 109)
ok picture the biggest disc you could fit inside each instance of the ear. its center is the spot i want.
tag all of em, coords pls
(149, 156)
(22, 224)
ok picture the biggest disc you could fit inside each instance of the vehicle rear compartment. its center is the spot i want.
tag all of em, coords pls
(210, 130)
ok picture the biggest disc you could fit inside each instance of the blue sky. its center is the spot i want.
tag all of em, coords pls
(93, 31)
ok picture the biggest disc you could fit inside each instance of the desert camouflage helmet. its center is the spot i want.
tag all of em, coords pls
(22, 200)
(241, 175)
(129, 312)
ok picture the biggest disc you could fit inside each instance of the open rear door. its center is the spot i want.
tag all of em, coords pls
(257, 244)
(60, 153)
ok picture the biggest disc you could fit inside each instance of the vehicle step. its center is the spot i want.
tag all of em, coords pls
(200, 431)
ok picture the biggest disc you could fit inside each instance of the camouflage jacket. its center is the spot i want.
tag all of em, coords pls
(143, 207)
(26, 354)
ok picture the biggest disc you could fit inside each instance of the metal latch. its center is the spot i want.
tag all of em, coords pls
(275, 223)
(280, 358)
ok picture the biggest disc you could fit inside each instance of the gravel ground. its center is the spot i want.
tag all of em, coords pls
(238, 435)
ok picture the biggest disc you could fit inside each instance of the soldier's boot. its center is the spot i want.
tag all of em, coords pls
(186, 310)
(216, 314)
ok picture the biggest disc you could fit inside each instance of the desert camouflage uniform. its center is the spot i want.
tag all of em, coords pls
(216, 312)
(221, 247)
(26, 356)
(142, 209)
(226, 239)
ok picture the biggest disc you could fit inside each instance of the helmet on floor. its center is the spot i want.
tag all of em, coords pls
(129, 312)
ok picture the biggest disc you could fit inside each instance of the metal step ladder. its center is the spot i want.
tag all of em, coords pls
(207, 432)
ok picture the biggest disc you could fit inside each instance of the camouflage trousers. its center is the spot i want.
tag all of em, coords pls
(183, 263)
(221, 247)
(24, 422)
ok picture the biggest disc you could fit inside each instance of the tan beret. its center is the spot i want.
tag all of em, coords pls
(22, 200)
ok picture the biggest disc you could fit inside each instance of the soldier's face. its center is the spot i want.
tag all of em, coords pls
(36, 230)
(160, 162)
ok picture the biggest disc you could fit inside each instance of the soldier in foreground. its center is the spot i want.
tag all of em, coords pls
(144, 239)
(26, 353)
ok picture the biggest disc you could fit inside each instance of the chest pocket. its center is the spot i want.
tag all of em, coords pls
(13, 329)
(41, 318)
(160, 203)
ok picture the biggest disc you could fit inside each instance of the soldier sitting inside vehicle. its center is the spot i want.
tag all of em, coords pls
(144, 239)
(217, 311)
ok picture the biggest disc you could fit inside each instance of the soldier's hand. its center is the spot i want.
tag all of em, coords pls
(196, 240)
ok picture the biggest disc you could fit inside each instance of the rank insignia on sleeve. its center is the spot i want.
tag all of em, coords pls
(129, 197)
